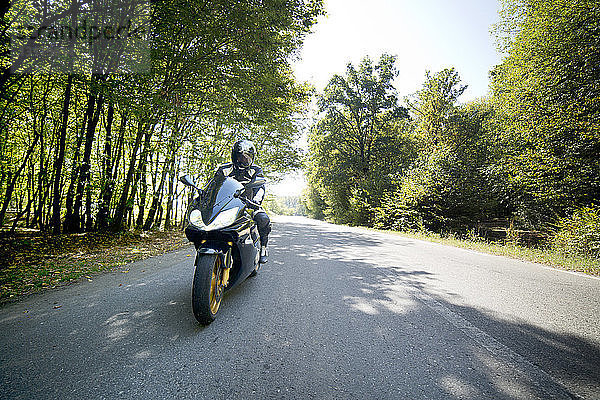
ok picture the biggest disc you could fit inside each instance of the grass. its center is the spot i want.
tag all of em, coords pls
(31, 261)
(547, 256)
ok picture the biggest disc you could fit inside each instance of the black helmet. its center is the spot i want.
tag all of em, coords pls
(243, 153)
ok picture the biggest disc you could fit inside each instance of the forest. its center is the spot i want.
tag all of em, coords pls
(105, 103)
(525, 158)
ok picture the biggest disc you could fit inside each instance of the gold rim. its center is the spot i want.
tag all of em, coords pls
(216, 289)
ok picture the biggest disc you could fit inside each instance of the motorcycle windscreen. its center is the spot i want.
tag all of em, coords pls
(219, 197)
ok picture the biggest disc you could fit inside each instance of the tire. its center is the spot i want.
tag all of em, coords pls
(207, 291)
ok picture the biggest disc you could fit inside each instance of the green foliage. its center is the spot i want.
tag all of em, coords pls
(434, 106)
(284, 205)
(529, 153)
(579, 233)
(313, 203)
(356, 146)
(218, 71)
(396, 214)
(437, 192)
(547, 107)
(426, 174)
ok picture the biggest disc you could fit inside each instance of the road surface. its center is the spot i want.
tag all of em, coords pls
(337, 313)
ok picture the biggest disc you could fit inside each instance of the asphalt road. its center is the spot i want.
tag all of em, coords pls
(337, 313)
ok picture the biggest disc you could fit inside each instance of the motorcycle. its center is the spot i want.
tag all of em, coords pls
(219, 223)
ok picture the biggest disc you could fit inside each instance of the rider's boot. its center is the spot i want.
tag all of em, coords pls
(264, 254)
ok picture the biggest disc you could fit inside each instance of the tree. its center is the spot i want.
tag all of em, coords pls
(446, 187)
(355, 145)
(546, 102)
(434, 107)
(215, 71)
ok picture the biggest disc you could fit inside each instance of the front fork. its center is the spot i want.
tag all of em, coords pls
(226, 260)
(227, 264)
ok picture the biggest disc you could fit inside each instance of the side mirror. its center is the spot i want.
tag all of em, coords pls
(187, 180)
(256, 183)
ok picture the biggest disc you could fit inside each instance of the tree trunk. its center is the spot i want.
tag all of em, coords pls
(108, 182)
(169, 210)
(93, 114)
(13, 182)
(89, 221)
(156, 198)
(117, 222)
(30, 189)
(159, 216)
(142, 180)
(60, 159)
(37, 209)
(120, 144)
(42, 176)
(68, 227)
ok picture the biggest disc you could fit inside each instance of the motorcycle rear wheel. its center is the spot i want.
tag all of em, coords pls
(207, 288)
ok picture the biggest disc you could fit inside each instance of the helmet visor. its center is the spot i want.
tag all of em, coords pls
(243, 159)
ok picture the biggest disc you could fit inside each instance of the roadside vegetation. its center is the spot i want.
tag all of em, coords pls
(93, 138)
(285, 205)
(521, 166)
(31, 261)
(94, 133)
(551, 256)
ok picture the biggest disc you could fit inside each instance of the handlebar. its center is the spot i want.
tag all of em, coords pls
(249, 203)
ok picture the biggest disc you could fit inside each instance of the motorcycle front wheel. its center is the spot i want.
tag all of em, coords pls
(207, 288)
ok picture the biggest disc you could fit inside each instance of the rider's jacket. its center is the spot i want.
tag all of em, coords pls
(244, 176)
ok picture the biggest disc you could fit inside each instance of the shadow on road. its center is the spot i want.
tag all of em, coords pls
(386, 291)
(336, 313)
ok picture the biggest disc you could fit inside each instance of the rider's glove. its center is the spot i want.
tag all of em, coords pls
(252, 204)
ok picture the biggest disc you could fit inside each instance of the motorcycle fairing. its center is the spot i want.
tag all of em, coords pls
(241, 237)
(219, 197)
(216, 242)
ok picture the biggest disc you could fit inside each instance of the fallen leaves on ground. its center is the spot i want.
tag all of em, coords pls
(31, 261)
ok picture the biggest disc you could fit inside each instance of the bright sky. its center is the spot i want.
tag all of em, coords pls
(424, 34)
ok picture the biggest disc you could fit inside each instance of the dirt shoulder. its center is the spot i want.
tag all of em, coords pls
(31, 261)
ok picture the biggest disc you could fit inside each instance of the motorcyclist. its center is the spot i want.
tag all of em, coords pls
(243, 169)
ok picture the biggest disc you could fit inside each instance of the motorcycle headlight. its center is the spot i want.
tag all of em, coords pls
(225, 218)
(196, 219)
